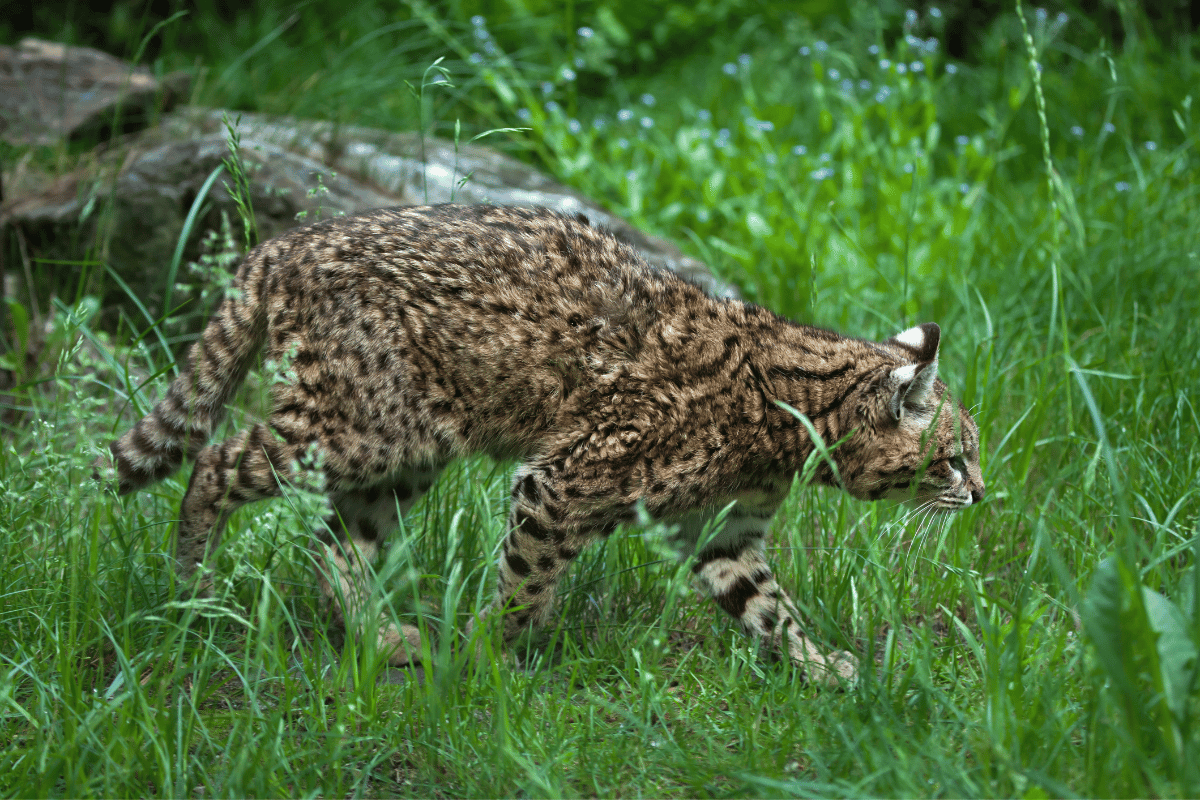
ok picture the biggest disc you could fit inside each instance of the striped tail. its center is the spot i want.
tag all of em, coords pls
(181, 424)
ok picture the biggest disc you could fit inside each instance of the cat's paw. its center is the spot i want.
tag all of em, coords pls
(838, 670)
(402, 644)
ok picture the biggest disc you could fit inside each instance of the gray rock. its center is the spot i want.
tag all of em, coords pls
(50, 93)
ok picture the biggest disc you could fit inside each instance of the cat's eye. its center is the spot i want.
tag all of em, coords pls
(959, 463)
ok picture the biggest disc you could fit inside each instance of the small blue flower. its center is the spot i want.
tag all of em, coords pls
(884, 63)
(704, 115)
(771, 159)
(647, 123)
(917, 66)
(824, 173)
(935, 12)
(585, 32)
(1076, 131)
(847, 86)
(744, 59)
(910, 17)
(964, 188)
(1151, 146)
(820, 46)
(799, 150)
(567, 74)
(475, 58)
(622, 143)
(547, 88)
(931, 45)
(600, 123)
(951, 69)
(1041, 14)
(873, 49)
(1122, 186)
(962, 140)
(864, 85)
(883, 94)
(579, 62)
(574, 126)
(908, 168)
(804, 51)
(833, 74)
(552, 107)
(826, 158)
(901, 68)
(729, 68)
(1109, 127)
(624, 115)
(524, 114)
(478, 21)
(647, 100)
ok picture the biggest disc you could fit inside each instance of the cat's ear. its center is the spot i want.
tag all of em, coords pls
(911, 385)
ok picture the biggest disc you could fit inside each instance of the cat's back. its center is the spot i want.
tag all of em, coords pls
(490, 315)
(495, 259)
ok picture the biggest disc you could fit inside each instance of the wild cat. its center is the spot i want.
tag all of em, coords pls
(417, 335)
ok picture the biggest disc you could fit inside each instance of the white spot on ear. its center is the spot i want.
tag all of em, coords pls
(913, 337)
(902, 376)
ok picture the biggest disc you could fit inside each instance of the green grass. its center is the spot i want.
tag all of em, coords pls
(1042, 644)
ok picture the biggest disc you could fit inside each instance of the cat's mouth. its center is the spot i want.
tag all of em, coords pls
(943, 500)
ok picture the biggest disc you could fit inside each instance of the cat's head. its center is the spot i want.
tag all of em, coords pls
(915, 441)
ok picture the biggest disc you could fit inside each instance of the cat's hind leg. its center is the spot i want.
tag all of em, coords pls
(356, 534)
(245, 467)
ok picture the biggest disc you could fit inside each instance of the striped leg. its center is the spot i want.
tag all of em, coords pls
(243, 468)
(738, 578)
(543, 539)
(356, 535)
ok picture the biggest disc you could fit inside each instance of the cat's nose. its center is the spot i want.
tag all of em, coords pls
(977, 495)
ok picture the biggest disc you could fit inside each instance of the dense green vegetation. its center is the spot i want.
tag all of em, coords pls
(1039, 200)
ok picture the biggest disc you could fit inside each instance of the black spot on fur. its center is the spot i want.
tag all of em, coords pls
(518, 565)
(532, 528)
(735, 598)
(368, 530)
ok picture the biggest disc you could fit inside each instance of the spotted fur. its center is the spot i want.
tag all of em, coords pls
(417, 335)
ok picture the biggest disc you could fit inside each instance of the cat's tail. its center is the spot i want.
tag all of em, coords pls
(181, 424)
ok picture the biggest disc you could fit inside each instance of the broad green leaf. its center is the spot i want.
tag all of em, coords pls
(1176, 650)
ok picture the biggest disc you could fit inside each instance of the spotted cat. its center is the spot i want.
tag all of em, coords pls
(417, 335)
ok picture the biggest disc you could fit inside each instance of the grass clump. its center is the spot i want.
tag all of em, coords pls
(850, 174)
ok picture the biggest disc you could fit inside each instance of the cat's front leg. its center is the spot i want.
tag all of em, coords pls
(543, 539)
(736, 575)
